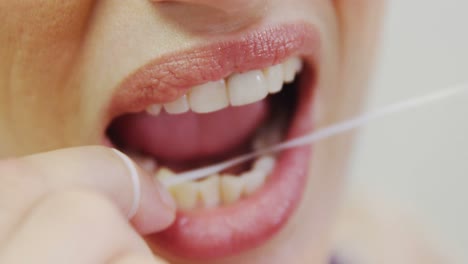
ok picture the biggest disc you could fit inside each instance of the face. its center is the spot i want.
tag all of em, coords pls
(191, 82)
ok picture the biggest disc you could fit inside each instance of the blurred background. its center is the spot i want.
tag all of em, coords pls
(418, 160)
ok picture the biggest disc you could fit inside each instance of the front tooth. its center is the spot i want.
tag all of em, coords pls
(154, 109)
(246, 88)
(290, 68)
(254, 179)
(186, 195)
(178, 106)
(209, 97)
(231, 188)
(209, 191)
(274, 78)
(265, 164)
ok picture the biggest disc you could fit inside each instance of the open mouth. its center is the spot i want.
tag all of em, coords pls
(243, 98)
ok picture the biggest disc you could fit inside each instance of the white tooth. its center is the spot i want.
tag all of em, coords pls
(254, 179)
(265, 164)
(154, 109)
(179, 106)
(164, 174)
(274, 78)
(209, 97)
(290, 68)
(298, 65)
(246, 88)
(231, 188)
(186, 195)
(209, 191)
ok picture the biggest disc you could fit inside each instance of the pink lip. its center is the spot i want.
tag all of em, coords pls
(221, 232)
(167, 78)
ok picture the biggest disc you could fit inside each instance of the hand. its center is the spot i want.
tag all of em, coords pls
(71, 206)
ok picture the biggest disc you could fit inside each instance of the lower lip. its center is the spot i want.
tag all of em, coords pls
(226, 231)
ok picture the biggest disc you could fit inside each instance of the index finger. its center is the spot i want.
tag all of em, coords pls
(94, 168)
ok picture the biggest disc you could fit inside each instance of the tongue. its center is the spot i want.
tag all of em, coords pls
(189, 136)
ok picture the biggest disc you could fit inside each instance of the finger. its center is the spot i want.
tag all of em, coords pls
(103, 170)
(138, 259)
(25, 180)
(73, 227)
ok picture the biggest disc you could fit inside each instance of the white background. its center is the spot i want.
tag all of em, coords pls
(419, 160)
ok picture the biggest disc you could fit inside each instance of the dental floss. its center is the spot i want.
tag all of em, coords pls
(135, 183)
(321, 134)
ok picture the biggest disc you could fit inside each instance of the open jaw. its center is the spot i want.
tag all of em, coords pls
(246, 106)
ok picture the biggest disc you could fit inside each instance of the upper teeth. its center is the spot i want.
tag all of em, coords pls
(236, 90)
(178, 106)
(209, 97)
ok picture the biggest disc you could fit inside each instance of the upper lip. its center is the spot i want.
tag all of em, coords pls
(165, 79)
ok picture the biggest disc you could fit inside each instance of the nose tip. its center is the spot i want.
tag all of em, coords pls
(213, 16)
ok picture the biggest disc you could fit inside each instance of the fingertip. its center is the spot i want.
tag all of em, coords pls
(153, 209)
(165, 195)
(112, 174)
(157, 208)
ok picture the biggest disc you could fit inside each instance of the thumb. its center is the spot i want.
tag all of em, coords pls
(110, 173)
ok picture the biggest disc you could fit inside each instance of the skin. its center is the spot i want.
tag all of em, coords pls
(43, 208)
(59, 70)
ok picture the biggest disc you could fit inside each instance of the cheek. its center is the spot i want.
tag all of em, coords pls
(43, 40)
(43, 30)
(40, 42)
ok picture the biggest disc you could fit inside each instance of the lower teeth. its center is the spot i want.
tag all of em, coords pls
(219, 189)
(224, 188)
